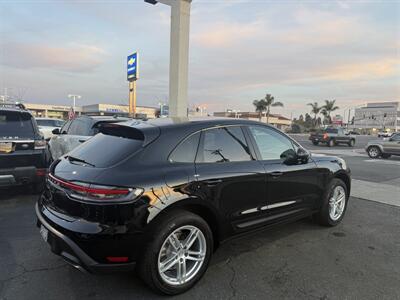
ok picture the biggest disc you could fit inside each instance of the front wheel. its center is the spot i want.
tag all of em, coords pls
(178, 254)
(331, 143)
(315, 143)
(334, 204)
(374, 152)
(351, 143)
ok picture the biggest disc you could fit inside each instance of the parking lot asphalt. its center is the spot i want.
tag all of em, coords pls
(359, 259)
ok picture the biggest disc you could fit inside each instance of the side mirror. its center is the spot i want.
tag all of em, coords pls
(302, 155)
(56, 131)
(289, 157)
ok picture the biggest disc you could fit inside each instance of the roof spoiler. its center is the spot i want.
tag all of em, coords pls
(131, 130)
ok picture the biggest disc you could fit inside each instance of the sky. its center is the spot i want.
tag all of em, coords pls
(298, 51)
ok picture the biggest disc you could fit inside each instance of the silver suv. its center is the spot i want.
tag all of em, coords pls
(384, 148)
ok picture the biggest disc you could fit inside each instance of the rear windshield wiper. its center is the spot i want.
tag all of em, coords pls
(72, 158)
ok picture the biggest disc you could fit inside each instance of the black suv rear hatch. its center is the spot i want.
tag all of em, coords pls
(17, 140)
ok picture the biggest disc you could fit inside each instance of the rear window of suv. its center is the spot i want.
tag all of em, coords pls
(16, 125)
(110, 147)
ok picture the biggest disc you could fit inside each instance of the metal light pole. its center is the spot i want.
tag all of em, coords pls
(74, 97)
(179, 55)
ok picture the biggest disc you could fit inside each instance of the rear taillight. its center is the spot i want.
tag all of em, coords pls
(100, 193)
(40, 144)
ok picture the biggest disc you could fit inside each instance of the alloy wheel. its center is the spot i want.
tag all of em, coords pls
(181, 255)
(373, 152)
(337, 203)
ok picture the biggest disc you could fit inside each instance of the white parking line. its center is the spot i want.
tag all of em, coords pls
(383, 161)
(349, 152)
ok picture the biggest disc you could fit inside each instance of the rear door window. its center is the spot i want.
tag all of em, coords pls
(186, 151)
(223, 144)
(16, 125)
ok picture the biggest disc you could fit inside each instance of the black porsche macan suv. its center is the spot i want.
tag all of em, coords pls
(163, 194)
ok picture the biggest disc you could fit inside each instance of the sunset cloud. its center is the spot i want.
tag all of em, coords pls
(72, 58)
(239, 50)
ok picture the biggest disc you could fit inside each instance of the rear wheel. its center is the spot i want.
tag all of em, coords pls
(178, 254)
(351, 143)
(374, 152)
(334, 204)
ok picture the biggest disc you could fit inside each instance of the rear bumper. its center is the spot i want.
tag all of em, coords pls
(21, 176)
(65, 247)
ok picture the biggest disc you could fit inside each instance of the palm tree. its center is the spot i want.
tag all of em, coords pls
(261, 106)
(315, 109)
(264, 105)
(328, 108)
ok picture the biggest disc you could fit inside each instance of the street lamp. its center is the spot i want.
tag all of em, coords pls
(74, 97)
(179, 55)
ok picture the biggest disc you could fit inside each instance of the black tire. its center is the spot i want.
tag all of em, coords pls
(323, 217)
(374, 152)
(147, 267)
(384, 155)
(331, 143)
(315, 143)
(352, 143)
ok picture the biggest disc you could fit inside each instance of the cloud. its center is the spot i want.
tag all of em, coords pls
(226, 34)
(367, 70)
(74, 58)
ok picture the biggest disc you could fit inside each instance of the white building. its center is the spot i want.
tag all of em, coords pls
(378, 116)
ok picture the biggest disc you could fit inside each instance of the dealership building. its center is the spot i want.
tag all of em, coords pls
(377, 116)
(278, 121)
(61, 111)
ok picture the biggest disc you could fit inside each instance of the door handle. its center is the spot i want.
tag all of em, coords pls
(82, 141)
(213, 182)
(276, 174)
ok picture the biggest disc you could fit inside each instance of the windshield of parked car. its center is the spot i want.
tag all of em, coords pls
(16, 125)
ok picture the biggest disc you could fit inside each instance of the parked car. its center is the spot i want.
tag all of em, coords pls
(384, 133)
(23, 156)
(331, 137)
(47, 125)
(75, 132)
(384, 148)
(163, 194)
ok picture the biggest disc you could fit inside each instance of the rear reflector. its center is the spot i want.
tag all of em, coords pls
(117, 259)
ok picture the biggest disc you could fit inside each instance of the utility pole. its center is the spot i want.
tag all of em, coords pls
(179, 55)
(74, 97)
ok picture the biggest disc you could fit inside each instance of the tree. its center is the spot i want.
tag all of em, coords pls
(260, 106)
(315, 109)
(265, 104)
(328, 108)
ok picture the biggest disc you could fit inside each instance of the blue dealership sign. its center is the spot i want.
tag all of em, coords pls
(132, 66)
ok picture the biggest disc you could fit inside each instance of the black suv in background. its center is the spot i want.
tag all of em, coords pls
(164, 193)
(24, 158)
(77, 131)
